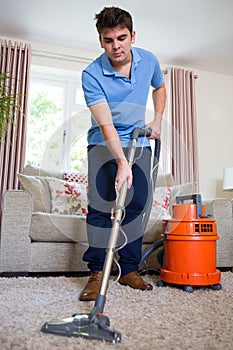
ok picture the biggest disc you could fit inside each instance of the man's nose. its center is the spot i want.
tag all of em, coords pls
(115, 44)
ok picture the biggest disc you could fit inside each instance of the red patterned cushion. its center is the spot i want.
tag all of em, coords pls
(74, 176)
(67, 197)
(160, 206)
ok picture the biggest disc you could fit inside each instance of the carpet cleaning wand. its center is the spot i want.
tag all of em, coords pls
(95, 325)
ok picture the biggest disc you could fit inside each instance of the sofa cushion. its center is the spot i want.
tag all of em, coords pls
(67, 197)
(38, 187)
(160, 205)
(74, 176)
(47, 227)
(159, 212)
(32, 170)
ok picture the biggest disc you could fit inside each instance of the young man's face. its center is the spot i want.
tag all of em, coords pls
(116, 43)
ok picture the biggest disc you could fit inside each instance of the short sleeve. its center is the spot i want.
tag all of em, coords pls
(92, 90)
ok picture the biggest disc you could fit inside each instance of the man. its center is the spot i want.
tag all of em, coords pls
(116, 87)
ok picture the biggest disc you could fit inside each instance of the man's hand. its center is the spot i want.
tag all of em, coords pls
(124, 173)
(156, 127)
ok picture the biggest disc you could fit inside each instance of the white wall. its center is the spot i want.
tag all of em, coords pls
(214, 101)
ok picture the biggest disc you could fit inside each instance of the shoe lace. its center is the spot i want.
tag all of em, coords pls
(95, 277)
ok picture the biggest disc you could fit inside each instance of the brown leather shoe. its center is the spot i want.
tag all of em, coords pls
(135, 281)
(90, 291)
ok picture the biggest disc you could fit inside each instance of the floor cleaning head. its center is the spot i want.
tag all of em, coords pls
(84, 325)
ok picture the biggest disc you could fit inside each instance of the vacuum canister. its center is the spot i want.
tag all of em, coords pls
(190, 246)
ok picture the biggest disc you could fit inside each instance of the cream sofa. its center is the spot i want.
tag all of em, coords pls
(222, 211)
(34, 239)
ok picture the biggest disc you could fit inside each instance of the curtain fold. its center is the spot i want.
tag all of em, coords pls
(179, 137)
(15, 60)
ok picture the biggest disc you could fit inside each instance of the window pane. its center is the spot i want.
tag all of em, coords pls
(44, 118)
(81, 122)
(79, 99)
(79, 154)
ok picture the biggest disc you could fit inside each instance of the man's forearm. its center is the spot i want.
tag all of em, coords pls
(113, 142)
(103, 117)
(159, 100)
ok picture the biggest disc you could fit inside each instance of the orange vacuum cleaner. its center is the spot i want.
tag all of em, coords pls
(189, 240)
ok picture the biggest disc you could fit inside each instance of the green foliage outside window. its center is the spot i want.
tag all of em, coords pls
(42, 122)
(46, 127)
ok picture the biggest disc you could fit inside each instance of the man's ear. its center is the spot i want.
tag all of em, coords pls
(133, 35)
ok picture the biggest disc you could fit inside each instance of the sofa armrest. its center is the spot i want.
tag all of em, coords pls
(15, 227)
(221, 210)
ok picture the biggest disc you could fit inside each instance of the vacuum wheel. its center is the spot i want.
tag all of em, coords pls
(160, 283)
(188, 289)
(217, 286)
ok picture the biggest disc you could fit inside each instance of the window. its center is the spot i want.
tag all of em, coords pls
(57, 120)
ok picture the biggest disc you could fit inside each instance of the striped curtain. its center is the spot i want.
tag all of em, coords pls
(15, 60)
(179, 137)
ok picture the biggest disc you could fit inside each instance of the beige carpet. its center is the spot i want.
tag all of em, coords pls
(165, 318)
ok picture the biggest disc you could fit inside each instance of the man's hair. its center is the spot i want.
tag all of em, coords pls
(111, 17)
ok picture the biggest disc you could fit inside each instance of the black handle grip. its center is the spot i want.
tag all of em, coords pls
(141, 132)
(196, 198)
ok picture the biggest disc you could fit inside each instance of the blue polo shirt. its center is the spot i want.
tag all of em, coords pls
(126, 97)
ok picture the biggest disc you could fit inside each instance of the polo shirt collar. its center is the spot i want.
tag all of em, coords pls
(107, 67)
